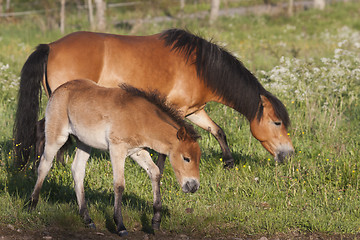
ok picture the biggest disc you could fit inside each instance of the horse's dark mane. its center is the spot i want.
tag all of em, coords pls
(224, 74)
(154, 97)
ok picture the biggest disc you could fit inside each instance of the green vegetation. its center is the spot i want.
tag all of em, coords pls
(310, 61)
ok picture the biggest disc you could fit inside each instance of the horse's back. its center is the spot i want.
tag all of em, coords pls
(96, 56)
(78, 55)
(141, 61)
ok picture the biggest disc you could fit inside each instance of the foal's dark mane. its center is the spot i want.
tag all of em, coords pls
(154, 97)
(224, 74)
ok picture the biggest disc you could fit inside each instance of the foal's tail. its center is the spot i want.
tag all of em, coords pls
(29, 98)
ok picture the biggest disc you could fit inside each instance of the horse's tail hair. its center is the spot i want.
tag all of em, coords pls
(29, 97)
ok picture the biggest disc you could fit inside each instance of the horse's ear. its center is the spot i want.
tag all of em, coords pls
(181, 134)
(264, 101)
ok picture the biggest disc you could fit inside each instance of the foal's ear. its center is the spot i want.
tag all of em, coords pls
(264, 101)
(182, 134)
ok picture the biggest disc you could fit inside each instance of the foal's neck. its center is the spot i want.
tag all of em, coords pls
(164, 138)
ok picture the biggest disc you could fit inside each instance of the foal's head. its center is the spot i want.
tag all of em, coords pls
(184, 152)
(185, 159)
(270, 128)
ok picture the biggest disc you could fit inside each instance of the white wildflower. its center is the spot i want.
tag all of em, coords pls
(342, 43)
(4, 67)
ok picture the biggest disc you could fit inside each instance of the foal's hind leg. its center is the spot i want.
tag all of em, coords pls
(52, 145)
(78, 172)
(144, 160)
(40, 142)
(201, 119)
(118, 154)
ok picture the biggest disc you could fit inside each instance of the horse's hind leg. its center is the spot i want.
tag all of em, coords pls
(78, 172)
(40, 139)
(144, 160)
(161, 163)
(201, 119)
(52, 145)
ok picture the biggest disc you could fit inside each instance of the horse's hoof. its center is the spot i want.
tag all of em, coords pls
(229, 163)
(123, 233)
(91, 225)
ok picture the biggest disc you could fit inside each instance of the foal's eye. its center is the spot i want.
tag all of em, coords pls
(186, 159)
(277, 123)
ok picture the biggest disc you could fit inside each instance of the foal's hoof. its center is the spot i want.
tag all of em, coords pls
(91, 225)
(229, 163)
(123, 233)
(30, 204)
(155, 225)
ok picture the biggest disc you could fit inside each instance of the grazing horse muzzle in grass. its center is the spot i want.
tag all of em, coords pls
(124, 121)
(185, 68)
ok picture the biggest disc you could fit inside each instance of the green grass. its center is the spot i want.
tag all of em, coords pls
(315, 191)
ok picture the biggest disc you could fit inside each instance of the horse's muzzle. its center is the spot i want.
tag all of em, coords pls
(284, 154)
(190, 185)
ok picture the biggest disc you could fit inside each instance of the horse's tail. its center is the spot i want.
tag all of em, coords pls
(29, 97)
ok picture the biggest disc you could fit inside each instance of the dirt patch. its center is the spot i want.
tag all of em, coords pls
(9, 232)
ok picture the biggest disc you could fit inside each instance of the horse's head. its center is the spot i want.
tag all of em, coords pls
(270, 128)
(185, 160)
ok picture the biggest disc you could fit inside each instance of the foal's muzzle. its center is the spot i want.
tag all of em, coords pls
(190, 185)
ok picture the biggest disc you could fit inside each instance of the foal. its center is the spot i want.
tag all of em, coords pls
(124, 121)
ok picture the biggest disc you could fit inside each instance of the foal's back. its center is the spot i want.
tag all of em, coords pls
(99, 116)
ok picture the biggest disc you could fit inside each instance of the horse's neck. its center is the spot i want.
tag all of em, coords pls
(245, 102)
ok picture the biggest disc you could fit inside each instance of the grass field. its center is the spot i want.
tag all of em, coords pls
(310, 61)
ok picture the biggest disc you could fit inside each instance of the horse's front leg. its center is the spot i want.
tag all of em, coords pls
(118, 155)
(161, 163)
(78, 172)
(143, 158)
(201, 119)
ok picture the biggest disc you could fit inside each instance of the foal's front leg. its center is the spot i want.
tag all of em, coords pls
(143, 158)
(78, 172)
(118, 154)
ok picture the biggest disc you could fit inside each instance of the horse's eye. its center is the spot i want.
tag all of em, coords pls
(186, 159)
(277, 123)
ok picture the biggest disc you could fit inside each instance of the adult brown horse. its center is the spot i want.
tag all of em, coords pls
(123, 121)
(185, 68)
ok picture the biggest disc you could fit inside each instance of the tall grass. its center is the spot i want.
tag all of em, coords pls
(313, 68)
